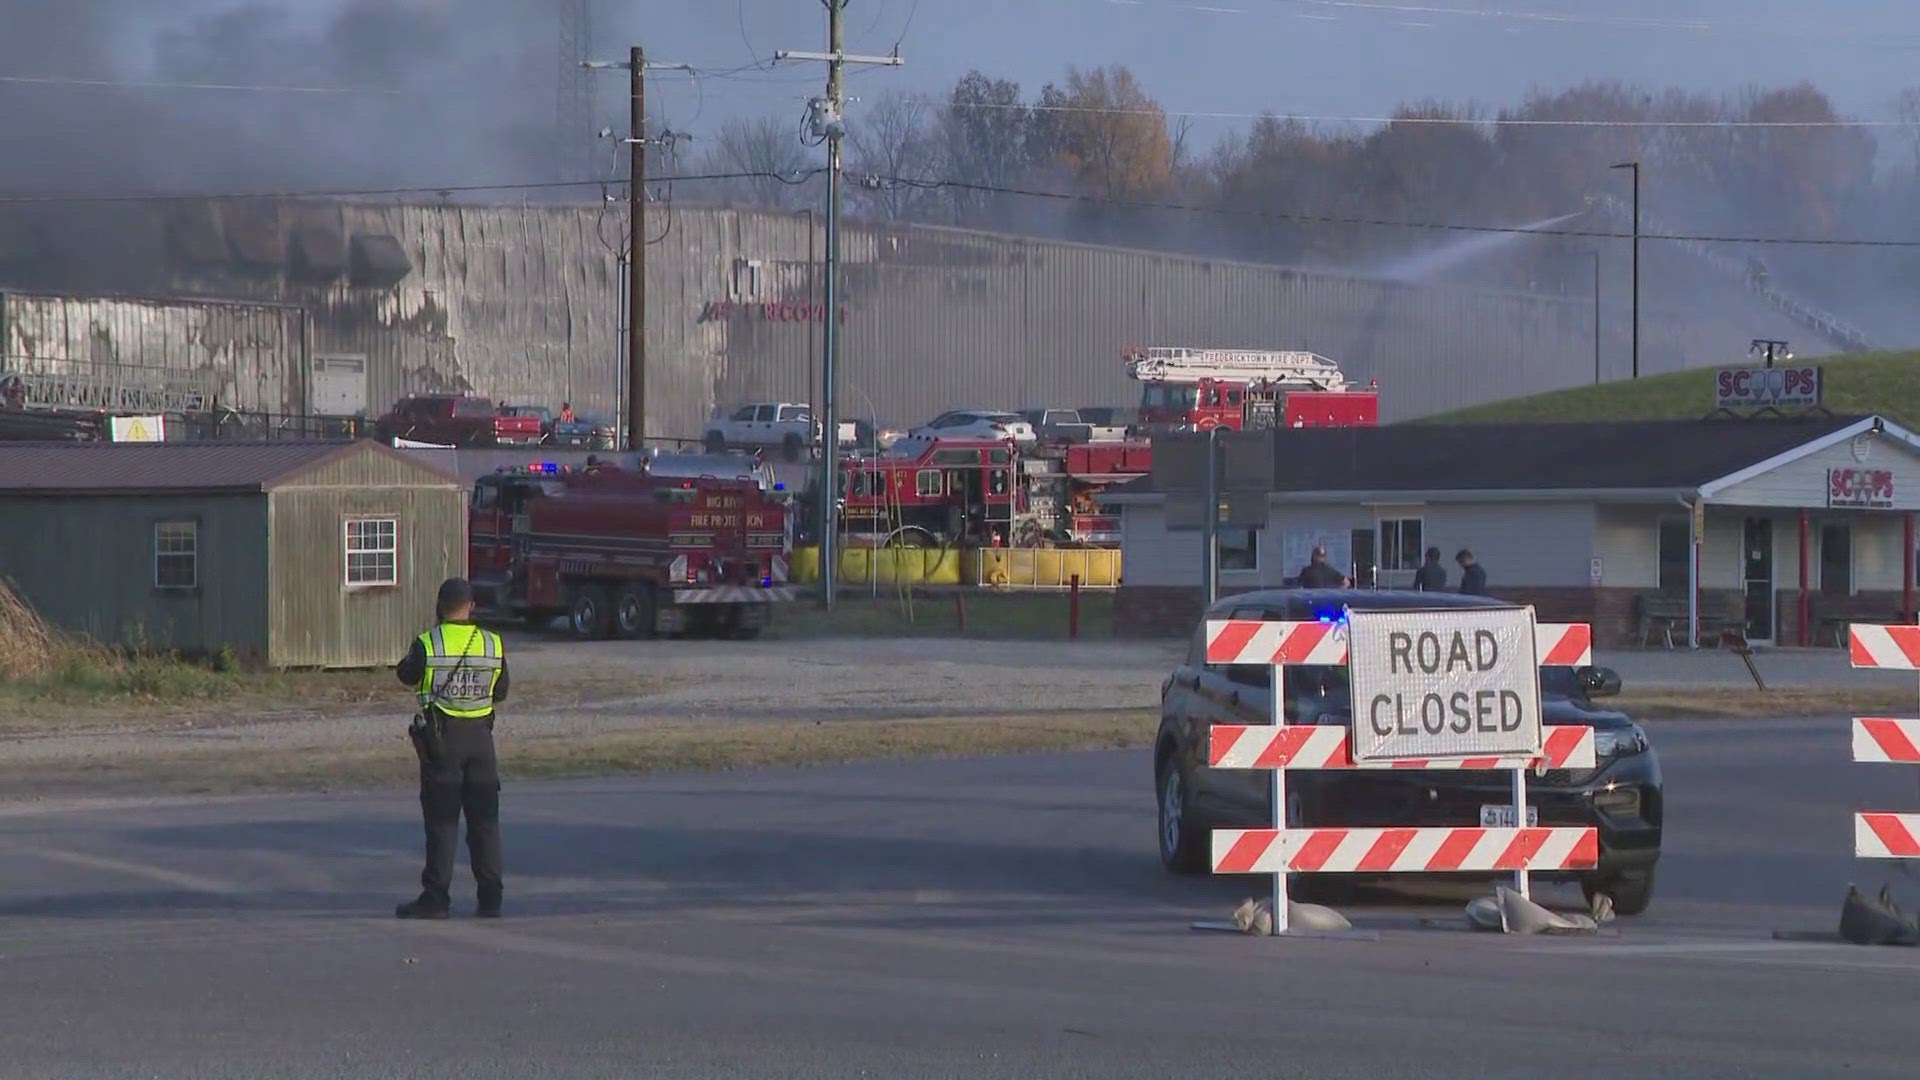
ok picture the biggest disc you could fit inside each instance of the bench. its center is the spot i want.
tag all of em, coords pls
(1660, 613)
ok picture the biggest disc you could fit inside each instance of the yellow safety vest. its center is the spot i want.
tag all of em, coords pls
(463, 664)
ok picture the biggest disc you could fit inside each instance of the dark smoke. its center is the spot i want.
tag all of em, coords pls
(473, 96)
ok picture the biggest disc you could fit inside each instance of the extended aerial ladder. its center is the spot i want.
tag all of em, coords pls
(1180, 365)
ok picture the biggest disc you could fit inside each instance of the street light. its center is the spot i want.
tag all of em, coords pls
(1595, 255)
(1774, 350)
(1635, 166)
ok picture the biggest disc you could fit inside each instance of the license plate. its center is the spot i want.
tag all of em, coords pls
(1500, 816)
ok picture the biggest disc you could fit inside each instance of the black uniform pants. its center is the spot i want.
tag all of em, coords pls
(463, 776)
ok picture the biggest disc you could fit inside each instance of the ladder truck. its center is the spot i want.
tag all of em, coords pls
(1187, 389)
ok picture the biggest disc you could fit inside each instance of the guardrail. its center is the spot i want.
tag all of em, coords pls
(1280, 747)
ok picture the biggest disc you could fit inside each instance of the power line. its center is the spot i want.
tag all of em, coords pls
(1323, 219)
(1430, 120)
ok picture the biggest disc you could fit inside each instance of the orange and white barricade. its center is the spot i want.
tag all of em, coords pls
(1280, 748)
(1880, 834)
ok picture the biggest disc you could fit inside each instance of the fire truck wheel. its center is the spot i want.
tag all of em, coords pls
(633, 612)
(591, 615)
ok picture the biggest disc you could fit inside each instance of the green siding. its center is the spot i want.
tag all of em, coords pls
(318, 621)
(86, 564)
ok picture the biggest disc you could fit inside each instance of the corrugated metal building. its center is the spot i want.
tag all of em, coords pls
(299, 554)
(340, 308)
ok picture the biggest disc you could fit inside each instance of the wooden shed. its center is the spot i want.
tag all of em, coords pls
(300, 554)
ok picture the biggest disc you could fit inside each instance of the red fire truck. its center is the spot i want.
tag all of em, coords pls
(625, 553)
(1200, 389)
(986, 492)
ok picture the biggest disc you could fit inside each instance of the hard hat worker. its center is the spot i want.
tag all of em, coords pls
(459, 672)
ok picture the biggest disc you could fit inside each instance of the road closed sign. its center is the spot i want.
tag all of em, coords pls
(1457, 683)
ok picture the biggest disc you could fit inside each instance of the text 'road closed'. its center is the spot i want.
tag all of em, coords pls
(1436, 684)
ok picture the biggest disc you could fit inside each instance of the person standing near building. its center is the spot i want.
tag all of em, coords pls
(1473, 579)
(1318, 575)
(1431, 577)
(459, 672)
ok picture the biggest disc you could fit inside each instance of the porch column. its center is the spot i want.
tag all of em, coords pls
(1699, 531)
(1906, 561)
(1802, 619)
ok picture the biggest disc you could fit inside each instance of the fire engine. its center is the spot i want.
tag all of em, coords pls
(625, 553)
(1201, 389)
(986, 492)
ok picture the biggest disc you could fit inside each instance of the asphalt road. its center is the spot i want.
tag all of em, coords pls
(997, 918)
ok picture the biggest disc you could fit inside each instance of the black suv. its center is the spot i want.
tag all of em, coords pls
(1621, 798)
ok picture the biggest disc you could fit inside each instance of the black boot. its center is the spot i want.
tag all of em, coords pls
(425, 907)
(489, 907)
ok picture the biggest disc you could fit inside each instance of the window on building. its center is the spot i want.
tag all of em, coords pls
(1239, 549)
(1400, 543)
(1676, 544)
(373, 552)
(1836, 560)
(176, 555)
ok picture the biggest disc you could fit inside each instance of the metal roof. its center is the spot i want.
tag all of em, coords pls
(28, 468)
(1604, 455)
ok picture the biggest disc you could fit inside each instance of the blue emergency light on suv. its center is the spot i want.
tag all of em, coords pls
(1620, 797)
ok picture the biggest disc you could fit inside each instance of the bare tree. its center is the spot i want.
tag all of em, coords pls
(771, 157)
(896, 159)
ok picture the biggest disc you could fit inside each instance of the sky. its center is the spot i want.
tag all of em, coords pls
(1338, 58)
(235, 95)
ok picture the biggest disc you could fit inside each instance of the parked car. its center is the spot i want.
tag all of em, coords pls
(456, 420)
(978, 424)
(784, 424)
(583, 430)
(1622, 798)
(1069, 426)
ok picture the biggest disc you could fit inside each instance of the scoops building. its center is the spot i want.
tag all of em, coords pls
(1780, 529)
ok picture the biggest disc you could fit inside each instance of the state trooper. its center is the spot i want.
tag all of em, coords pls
(459, 672)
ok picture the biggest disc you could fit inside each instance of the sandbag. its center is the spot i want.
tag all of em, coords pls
(1507, 912)
(1256, 917)
(1875, 922)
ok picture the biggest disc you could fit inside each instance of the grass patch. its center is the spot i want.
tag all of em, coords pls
(1024, 616)
(671, 748)
(1733, 703)
(1886, 383)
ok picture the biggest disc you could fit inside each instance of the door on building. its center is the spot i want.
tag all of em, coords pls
(1757, 560)
(1363, 559)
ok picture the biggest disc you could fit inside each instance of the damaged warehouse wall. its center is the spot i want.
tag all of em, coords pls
(342, 307)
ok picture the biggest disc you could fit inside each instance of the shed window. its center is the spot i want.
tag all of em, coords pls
(176, 555)
(373, 551)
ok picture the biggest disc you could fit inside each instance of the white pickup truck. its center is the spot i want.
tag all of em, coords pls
(784, 424)
(1069, 426)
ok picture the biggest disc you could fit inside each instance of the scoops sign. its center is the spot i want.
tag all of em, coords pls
(1871, 488)
(1766, 388)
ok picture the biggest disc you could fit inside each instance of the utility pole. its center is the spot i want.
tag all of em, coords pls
(828, 120)
(636, 404)
(637, 248)
(1635, 166)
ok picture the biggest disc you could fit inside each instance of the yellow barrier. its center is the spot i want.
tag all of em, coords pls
(1047, 568)
(894, 566)
(1011, 568)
